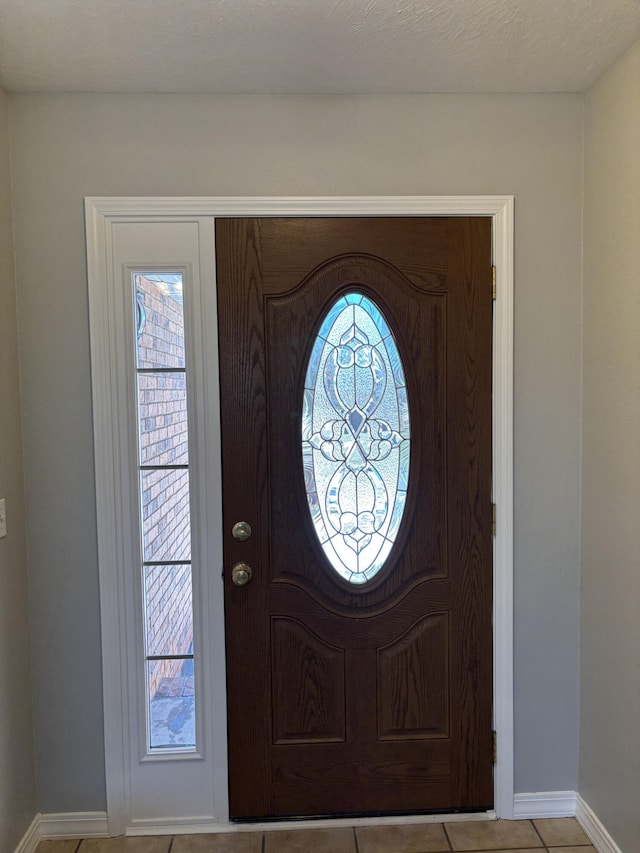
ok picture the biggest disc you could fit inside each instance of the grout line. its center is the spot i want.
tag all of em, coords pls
(173, 838)
(264, 842)
(355, 839)
(78, 847)
(444, 826)
(535, 829)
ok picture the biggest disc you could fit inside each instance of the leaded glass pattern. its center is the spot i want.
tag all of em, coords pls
(355, 437)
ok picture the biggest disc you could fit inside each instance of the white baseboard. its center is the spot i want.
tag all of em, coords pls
(63, 825)
(544, 804)
(592, 825)
(31, 837)
(74, 825)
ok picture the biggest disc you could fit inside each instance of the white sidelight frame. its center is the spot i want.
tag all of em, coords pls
(102, 215)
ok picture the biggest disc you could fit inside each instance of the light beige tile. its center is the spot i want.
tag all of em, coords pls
(120, 844)
(579, 849)
(492, 835)
(58, 846)
(224, 842)
(425, 838)
(561, 831)
(310, 841)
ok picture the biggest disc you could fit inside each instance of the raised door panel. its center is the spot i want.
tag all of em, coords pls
(308, 682)
(413, 682)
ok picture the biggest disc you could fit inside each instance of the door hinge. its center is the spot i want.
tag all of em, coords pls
(494, 516)
(495, 747)
(493, 283)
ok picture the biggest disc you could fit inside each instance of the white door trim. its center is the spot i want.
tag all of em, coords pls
(101, 216)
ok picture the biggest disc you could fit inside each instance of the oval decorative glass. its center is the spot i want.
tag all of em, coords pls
(355, 437)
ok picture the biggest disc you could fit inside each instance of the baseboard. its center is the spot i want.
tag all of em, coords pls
(592, 825)
(176, 826)
(31, 837)
(544, 804)
(73, 825)
(63, 825)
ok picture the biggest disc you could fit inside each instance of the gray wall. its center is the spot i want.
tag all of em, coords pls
(610, 671)
(69, 146)
(17, 780)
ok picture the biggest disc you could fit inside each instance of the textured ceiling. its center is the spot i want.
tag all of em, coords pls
(311, 46)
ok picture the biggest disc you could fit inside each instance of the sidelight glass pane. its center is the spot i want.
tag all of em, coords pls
(159, 320)
(162, 418)
(168, 610)
(355, 437)
(166, 523)
(171, 691)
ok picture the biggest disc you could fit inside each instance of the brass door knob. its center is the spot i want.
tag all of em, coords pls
(241, 574)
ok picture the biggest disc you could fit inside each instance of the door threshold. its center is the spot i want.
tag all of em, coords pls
(197, 827)
(383, 820)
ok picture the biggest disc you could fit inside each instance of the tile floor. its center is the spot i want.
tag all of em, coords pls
(557, 835)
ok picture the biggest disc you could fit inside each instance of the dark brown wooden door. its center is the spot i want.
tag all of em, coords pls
(374, 698)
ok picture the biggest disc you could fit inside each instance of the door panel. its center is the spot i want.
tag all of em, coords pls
(316, 671)
(375, 698)
(413, 674)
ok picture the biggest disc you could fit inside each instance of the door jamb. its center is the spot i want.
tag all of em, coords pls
(101, 215)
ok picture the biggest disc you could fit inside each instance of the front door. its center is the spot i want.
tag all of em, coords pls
(355, 363)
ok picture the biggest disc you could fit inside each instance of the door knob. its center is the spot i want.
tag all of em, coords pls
(241, 574)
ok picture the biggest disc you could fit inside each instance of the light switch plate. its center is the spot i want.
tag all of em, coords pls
(3, 518)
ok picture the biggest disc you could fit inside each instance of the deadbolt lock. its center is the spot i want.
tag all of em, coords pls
(241, 531)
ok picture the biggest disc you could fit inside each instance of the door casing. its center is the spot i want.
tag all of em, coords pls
(102, 214)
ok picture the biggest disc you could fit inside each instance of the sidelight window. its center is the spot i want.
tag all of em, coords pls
(164, 508)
